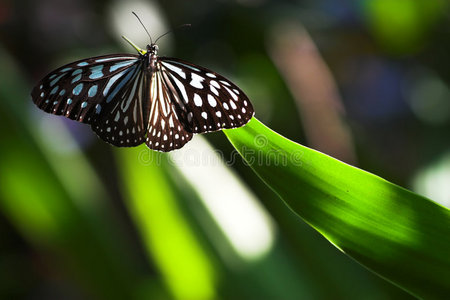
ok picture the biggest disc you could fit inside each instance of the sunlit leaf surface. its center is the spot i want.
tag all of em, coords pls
(402, 236)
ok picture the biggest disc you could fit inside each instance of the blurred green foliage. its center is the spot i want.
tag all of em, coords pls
(402, 27)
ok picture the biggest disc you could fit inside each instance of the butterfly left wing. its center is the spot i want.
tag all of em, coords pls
(75, 89)
(103, 91)
(206, 101)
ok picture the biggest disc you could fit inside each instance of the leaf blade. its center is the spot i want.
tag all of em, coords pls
(399, 235)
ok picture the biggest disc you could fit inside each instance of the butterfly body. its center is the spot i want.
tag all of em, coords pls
(131, 99)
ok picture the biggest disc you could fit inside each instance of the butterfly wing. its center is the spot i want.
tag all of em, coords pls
(166, 130)
(125, 104)
(101, 91)
(121, 121)
(206, 101)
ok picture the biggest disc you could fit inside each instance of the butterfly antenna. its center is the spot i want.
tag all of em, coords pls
(151, 42)
(171, 30)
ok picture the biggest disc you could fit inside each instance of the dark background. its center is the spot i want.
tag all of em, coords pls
(364, 81)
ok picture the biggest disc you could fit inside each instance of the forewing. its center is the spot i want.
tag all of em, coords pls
(73, 90)
(91, 90)
(207, 100)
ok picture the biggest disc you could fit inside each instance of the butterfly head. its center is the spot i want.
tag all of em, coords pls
(152, 49)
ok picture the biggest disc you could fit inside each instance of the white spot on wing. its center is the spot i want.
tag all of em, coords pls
(215, 84)
(108, 59)
(92, 91)
(175, 69)
(121, 65)
(185, 65)
(198, 100)
(213, 89)
(96, 72)
(212, 101)
(77, 90)
(197, 81)
(225, 82)
(232, 94)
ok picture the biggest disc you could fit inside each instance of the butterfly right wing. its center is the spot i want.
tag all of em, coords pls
(209, 101)
(188, 99)
(165, 130)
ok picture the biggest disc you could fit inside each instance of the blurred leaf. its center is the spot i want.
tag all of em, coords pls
(50, 212)
(401, 236)
(168, 237)
(401, 26)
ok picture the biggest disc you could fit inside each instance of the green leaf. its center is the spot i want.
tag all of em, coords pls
(169, 240)
(397, 234)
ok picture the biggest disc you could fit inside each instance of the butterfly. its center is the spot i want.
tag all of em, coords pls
(130, 99)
